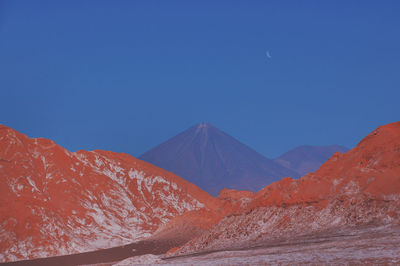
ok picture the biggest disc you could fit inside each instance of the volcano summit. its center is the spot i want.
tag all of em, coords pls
(213, 160)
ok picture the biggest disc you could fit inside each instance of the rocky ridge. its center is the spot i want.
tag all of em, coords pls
(358, 188)
(55, 202)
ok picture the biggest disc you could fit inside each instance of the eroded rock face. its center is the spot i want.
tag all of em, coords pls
(55, 202)
(194, 223)
(371, 169)
(360, 187)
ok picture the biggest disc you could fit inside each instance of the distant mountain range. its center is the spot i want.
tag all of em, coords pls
(305, 159)
(56, 202)
(357, 189)
(213, 160)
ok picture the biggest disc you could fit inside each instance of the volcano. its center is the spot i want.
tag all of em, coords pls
(351, 192)
(213, 160)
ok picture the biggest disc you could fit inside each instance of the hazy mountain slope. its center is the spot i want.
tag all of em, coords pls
(351, 190)
(213, 160)
(55, 202)
(305, 159)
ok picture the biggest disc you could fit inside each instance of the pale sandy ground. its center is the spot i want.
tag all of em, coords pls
(368, 246)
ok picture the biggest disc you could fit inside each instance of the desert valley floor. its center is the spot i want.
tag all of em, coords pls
(366, 245)
(363, 246)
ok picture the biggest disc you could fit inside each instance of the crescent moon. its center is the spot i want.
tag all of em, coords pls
(268, 54)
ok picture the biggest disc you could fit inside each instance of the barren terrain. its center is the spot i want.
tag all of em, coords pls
(353, 246)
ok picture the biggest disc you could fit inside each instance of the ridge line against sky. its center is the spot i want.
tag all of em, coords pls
(127, 75)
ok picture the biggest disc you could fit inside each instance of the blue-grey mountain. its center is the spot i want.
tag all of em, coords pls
(213, 160)
(305, 159)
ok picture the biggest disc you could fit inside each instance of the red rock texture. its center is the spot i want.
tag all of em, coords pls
(55, 202)
(234, 201)
(358, 188)
(234, 195)
(195, 223)
(371, 169)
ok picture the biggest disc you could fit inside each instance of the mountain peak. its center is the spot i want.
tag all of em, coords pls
(357, 189)
(204, 125)
(214, 160)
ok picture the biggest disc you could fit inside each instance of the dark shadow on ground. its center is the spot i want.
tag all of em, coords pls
(104, 256)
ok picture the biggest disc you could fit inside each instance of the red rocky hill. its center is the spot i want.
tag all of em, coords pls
(358, 188)
(193, 223)
(55, 202)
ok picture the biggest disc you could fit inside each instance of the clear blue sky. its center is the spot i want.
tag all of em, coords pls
(127, 75)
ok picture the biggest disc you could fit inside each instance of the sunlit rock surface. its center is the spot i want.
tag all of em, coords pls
(360, 187)
(56, 202)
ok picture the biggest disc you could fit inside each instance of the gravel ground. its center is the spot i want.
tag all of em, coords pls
(367, 246)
